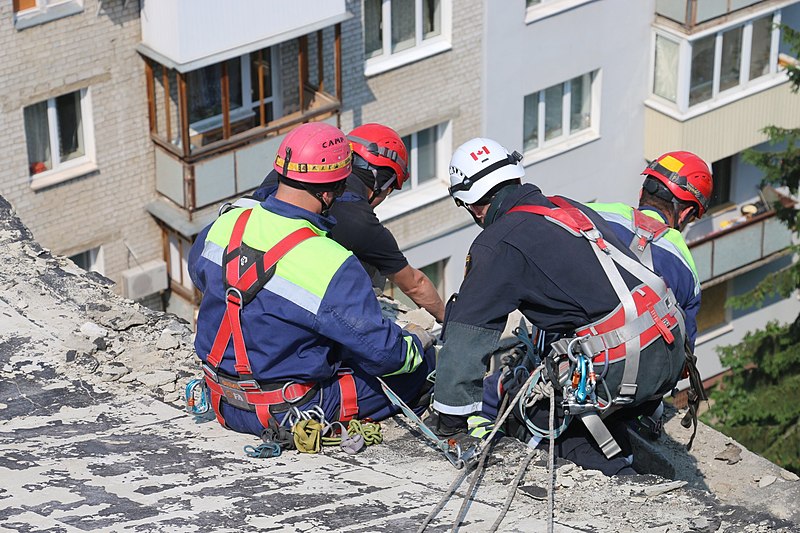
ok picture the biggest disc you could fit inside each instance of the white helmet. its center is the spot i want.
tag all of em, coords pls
(480, 164)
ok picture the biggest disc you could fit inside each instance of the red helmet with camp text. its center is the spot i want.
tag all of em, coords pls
(315, 152)
(381, 146)
(687, 177)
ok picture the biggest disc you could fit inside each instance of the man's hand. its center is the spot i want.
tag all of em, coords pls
(423, 335)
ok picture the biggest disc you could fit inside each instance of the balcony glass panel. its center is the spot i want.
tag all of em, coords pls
(702, 78)
(731, 58)
(665, 82)
(760, 47)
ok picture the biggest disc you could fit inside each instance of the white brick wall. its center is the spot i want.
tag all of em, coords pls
(95, 50)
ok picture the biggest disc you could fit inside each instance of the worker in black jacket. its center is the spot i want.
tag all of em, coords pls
(380, 165)
(557, 262)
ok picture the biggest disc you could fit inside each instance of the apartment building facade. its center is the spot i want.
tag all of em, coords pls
(77, 163)
(183, 103)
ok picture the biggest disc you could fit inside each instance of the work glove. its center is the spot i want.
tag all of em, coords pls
(423, 335)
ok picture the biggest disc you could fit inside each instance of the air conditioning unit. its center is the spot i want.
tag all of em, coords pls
(144, 280)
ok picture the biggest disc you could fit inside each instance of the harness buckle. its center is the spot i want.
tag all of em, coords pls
(249, 385)
(596, 237)
(234, 296)
(210, 373)
(283, 393)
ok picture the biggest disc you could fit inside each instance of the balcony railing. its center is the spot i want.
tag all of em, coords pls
(729, 242)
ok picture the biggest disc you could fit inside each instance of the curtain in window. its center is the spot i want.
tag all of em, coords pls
(431, 18)
(70, 127)
(426, 155)
(553, 112)
(373, 28)
(760, 48)
(665, 82)
(580, 103)
(37, 138)
(530, 122)
(403, 22)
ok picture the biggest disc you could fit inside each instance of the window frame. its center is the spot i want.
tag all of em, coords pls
(548, 8)
(45, 11)
(568, 139)
(414, 195)
(746, 84)
(95, 259)
(249, 106)
(422, 48)
(62, 171)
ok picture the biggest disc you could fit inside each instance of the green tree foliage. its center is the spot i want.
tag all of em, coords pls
(757, 404)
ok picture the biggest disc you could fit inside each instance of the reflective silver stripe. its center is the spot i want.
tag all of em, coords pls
(460, 410)
(600, 433)
(213, 252)
(670, 248)
(294, 293)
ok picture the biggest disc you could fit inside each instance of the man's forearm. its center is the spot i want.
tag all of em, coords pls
(420, 289)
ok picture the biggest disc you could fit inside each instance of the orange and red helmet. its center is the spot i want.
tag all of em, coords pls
(686, 176)
(381, 146)
(315, 153)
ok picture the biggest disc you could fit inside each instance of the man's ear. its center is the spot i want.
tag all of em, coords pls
(686, 216)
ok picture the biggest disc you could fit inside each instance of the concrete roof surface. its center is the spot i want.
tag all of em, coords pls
(93, 437)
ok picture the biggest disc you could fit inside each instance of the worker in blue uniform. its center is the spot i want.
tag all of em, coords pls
(289, 319)
(677, 189)
(556, 278)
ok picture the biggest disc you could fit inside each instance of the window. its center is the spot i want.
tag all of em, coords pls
(58, 133)
(32, 12)
(715, 65)
(557, 113)
(252, 89)
(177, 260)
(405, 29)
(721, 195)
(89, 260)
(712, 313)
(422, 165)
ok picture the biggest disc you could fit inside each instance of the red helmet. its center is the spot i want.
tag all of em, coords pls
(687, 177)
(315, 152)
(381, 146)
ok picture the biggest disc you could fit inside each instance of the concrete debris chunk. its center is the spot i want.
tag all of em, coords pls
(122, 319)
(766, 481)
(92, 330)
(167, 341)
(661, 488)
(157, 378)
(732, 454)
(789, 476)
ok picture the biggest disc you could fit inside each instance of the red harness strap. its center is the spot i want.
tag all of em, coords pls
(348, 403)
(231, 328)
(647, 229)
(567, 215)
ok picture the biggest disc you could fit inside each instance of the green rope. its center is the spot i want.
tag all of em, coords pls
(307, 436)
(371, 431)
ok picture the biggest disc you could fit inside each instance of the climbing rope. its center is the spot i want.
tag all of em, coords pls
(307, 436)
(550, 470)
(353, 438)
(457, 482)
(263, 451)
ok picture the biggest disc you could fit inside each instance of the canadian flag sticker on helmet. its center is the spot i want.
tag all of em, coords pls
(482, 151)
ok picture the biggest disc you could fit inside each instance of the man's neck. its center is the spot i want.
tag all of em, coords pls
(299, 198)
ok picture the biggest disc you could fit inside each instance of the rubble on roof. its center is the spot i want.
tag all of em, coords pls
(93, 437)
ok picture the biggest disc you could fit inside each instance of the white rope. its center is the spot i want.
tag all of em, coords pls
(550, 470)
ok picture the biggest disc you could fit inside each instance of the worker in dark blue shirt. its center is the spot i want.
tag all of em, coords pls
(380, 165)
(557, 274)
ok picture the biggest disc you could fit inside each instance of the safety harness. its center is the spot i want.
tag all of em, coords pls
(646, 230)
(645, 314)
(243, 280)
